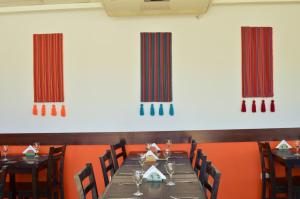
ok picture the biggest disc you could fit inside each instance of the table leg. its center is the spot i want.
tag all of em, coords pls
(35, 190)
(290, 182)
(12, 185)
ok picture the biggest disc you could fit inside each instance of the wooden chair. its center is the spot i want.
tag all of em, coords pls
(192, 150)
(212, 172)
(2, 181)
(109, 168)
(200, 165)
(114, 148)
(53, 187)
(277, 185)
(87, 172)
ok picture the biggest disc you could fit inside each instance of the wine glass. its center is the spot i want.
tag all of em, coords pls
(170, 168)
(142, 159)
(169, 143)
(138, 179)
(297, 146)
(5, 151)
(36, 146)
(167, 154)
(148, 146)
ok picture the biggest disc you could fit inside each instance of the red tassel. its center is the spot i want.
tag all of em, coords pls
(263, 106)
(53, 110)
(43, 110)
(244, 106)
(63, 111)
(253, 107)
(34, 110)
(272, 106)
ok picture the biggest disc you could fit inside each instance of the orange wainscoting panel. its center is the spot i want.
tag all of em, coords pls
(237, 161)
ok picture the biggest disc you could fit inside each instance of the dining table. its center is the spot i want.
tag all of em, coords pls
(20, 164)
(290, 160)
(187, 185)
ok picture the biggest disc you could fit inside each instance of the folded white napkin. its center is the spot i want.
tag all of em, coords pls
(283, 145)
(30, 148)
(153, 174)
(150, 153)
(155, 146)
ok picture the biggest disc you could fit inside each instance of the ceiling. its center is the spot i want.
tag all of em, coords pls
(12, 3)
(9, 6)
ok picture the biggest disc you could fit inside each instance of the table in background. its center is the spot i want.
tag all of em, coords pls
(23, 165)
(187, 183)
(290, 161)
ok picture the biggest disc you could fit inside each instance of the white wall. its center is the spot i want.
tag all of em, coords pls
(102, 67)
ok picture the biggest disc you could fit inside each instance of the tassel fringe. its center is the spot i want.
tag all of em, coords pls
(43, 111)
(272, 107)
(142, 112)
(152, 111)
(53, 110)
(161, 110)
(171, 111)
(63, 111)
(253, 107)
(34, 110)
(244, 109)
(263, 106)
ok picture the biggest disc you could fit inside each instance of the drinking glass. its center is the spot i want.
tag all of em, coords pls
(170, 168)
(297, 146)
(169, 143)
(5, 151)
(167, 154)
(36, 146)
(138, 179)
(142, 160)
(148, 146)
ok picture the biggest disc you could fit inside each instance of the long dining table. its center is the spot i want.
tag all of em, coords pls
(187, 185)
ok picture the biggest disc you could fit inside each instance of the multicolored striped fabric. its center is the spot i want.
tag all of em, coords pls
(48, 70)
(257, 62)
(257, 65)
(156, 65)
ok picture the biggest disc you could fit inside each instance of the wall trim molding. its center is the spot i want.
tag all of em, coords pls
(201, 136)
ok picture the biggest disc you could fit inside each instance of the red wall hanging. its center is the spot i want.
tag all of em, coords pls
(156, 71)
(48, 73)
(257, 66)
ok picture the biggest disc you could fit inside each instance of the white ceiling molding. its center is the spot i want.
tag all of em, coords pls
(11, 6)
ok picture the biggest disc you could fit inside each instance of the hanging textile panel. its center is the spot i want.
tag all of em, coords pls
(48, 73)
(156, 71)
(257, 66)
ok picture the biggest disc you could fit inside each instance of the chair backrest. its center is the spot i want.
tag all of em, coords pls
(107, 157)
(267, 162)
(55, 172)
(115, 155)
(192, 150)
(83, 190)
(200, 165)
(2, 180)
(212, 172)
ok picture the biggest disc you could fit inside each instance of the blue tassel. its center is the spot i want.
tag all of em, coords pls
(152, 111)
(171, 111)
(142, 110)
(161, 110)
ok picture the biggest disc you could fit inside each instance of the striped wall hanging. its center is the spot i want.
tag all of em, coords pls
(48, 74)
(257, 67)
(156, 72)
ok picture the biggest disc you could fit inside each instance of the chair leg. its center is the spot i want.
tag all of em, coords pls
(263, 192)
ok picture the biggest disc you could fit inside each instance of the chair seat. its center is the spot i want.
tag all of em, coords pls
(282, 184)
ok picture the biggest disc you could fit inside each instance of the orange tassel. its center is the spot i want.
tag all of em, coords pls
(34, 110)
(63, 111)
(43, 110)
(53, 110)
